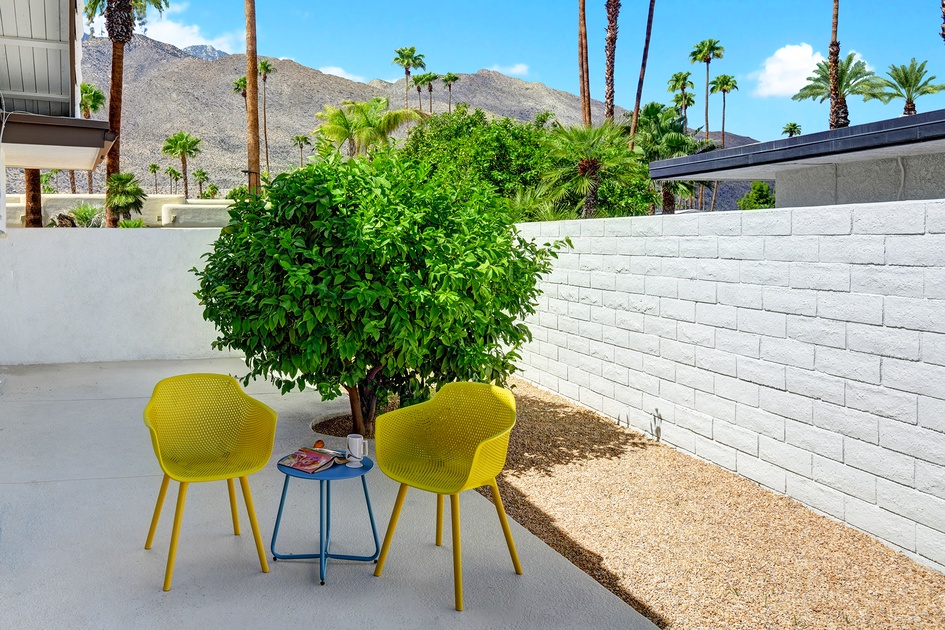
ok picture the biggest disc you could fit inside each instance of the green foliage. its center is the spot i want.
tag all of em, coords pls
(757, 198)
(87, 215)
(132, 223)
(791, 129)
(375, 275)
(504, 153)
(49, 182)
(238, 193)
(908, 82)
(124, 195)
(211, 192)
(362, 125)
(91, 99)
(853, 78)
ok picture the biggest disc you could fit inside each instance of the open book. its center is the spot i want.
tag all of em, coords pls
(313, 460)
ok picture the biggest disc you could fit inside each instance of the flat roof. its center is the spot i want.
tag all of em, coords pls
(897, 137)
(35, 141)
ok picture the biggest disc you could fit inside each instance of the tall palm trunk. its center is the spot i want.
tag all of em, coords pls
(610, 55)
(406, 87)
(119, 22)
(669, 199)
(909, 109)
(252, 100)
(582, 64)
(715, 187)
(646, 53)
(155, 183)
(839, 114)
(90, 182)
(300, 157)
(72, 186)
(419, 99)
(34, 197)
(708, 61)
(430, 90)
(590, 200)
(265, 130)
(183, 168)
(943, 20)
(449, 89)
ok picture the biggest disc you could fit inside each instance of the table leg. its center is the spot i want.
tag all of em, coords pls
(367, 499)
(322, 533)
(275, 532)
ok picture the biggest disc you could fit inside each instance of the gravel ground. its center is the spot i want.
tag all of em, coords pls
(691, 545)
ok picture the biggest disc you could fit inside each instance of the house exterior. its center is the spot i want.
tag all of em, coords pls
(40, 77)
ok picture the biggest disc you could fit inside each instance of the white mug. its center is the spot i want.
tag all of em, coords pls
(357, 449)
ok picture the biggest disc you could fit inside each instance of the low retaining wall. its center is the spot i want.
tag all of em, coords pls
(801, 348)
(158, 211)
(76, 295)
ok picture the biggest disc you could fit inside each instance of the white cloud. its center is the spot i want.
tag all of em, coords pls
(518, 69)
(341, 72)
(785, 72)
(177, 33)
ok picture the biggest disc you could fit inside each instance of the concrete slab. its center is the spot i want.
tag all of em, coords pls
(78, 481)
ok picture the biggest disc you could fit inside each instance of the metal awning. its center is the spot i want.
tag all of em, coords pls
(47, 142)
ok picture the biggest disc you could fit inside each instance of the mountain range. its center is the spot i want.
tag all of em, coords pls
(168, 89)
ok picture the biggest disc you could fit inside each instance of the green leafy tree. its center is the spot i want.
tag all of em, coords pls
(908, 82)
(582, 158)
(854, 79)
(301, 141)
(407, 58)
(704, 52)
(201, 177)
(120, 19)
(758, 197)
(124, 195)
(182, 146)
(372, 276)
(153, 169)
(91, 100)
(678, 84)
(239, 87)
(266, 69)
(48, 182)
(361, 125)
(448, 80)
(791, 129)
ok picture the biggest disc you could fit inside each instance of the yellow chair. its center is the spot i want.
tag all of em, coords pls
(205, 428)
(456, 441)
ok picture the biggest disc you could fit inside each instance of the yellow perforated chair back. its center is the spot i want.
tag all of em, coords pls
(455, 441)
(205, 428)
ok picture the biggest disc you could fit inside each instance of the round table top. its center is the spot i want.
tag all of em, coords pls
(335, 473)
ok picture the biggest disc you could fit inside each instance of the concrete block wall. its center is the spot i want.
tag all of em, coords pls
(801, 348)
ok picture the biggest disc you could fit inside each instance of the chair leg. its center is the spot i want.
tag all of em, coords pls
(157, 512)
(398, 504)
(231, 487)
(505, 526)
(439, 520)
(457, 552)
(248, 497)
(175, 535)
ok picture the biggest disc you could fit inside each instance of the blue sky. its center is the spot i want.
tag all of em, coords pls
(769, 46)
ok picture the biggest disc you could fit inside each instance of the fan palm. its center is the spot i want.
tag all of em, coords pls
(429, 79)
(301, 141)
(153, 169)
(610, 55)
(680, 82)
(791, 129)
(408, 58)
(853, 78)
(239, 87)
(909, 83)
(582, 158)
(448, 80)
(91, 99)
(201, 177)
(723, 83)
(182, 145)
(419, 80)
(120, 18)
(704, 52)
(265, 70)
(124, 195)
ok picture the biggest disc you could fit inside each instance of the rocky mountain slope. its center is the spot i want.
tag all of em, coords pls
(169, 90)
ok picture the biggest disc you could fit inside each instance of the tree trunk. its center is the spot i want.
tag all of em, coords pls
(706, 100)
(252, 98)
(406, 87)
(610, 55)
(943, 20)
(419, 100)
(265, 131)
(646, 53)
(155, 184)
(113, 161)
(72, 186)
(582, 64)
(669, 199)
(839, 117)
(685, 107)
(34, 198)
(300, 156)
(357, 418)
(90, 182)
(449, 88)
(430, 92)
(909, 109)
(183, 168)
(590, 200)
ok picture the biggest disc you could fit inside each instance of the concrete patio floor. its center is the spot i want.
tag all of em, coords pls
(78, 481)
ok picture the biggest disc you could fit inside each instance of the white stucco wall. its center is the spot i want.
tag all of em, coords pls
(76, 295)
(801, 348)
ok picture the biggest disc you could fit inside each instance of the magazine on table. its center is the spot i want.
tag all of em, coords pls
(313, 460)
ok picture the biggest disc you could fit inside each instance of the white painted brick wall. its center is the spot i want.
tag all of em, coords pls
(802, 348)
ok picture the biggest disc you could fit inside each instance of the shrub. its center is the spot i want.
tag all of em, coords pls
(87, 215)
(373, 276)
(757, 198)
(132, 223)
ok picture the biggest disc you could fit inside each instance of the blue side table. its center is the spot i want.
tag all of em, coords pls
(335, 473)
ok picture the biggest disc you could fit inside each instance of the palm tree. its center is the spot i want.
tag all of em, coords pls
(408, 58)
(252, 100)
(853, 78)
(584, 72)
(839, 114)
(201, 177)
(704, 52)
(239, 87)
(169, 171)
(361, 125)
(174, 175)
(791, 129)
(33, 188)
(429, 79)
(943, 20)
(449, 79)
(91, 100)
(723, 83)
(582, 157)
(646, 54)
(124, 195)
(265, 69)
(182, 145)
(679, 82)
(153, 169)
(909, 83)
(419, 80)
(120, 18)
(610, 55)
(301, 141)
(661, 135)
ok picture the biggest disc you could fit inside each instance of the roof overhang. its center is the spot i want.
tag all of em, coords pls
(47, 142)
(895, 138)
